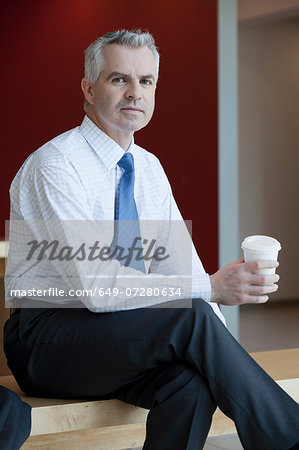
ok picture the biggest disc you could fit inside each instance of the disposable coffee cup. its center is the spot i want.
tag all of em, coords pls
(257, 248)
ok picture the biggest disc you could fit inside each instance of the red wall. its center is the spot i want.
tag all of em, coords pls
(42, 63)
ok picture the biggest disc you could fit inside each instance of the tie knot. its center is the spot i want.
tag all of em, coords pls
(127, 162)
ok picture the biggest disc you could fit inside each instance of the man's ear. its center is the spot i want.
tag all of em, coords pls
(87, 88)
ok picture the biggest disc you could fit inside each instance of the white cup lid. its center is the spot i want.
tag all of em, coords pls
(261, 243)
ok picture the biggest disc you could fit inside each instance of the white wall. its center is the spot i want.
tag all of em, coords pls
(269, 140)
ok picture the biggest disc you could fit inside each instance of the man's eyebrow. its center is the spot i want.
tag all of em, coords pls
(150, 75)
(116, 74)
(125, 75)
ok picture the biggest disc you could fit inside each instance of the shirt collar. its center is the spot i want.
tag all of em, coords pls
(109, 151)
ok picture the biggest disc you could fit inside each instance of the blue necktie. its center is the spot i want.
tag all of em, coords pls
(128, 224)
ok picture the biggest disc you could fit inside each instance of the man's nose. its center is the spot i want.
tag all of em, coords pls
(133, 92)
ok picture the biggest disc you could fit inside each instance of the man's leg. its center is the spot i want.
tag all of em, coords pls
(15, 420)
(75, 353)
(180, 403)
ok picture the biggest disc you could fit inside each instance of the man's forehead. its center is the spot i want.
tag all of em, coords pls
(122, 58)
(120, 48)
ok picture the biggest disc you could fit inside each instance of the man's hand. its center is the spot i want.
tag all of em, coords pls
(237, 283)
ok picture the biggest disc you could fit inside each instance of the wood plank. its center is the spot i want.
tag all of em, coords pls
(106, 438)
(3, 255)
(221, 425)
(279, 364)
(93, 414)
(9, 382)
(81, 416)
(62, 415)
(2, 267)
(291, 387)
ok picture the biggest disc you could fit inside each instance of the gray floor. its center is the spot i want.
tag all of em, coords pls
(226, 442)
(270, 326)
(229, 442)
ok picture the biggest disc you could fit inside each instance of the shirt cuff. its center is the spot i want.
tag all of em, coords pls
(201, 286)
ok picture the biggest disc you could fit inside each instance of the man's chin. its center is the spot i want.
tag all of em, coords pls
(135, 126)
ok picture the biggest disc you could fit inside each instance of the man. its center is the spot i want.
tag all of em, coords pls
(179, 362)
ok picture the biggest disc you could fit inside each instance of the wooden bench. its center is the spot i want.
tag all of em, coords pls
(112, 424)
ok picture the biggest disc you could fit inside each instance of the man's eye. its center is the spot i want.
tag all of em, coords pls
(146, 82)
(118, 80)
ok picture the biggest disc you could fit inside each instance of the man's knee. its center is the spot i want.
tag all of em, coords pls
(186, 392)
(173, 378)
(158, 385)
(180, 382)
(201, 305)
(202, 311)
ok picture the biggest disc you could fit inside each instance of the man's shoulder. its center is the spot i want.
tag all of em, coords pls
(56, 153)
(58, 149)
(148, 157)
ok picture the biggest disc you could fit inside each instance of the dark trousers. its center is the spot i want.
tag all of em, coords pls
(15, 420)
(178, 362)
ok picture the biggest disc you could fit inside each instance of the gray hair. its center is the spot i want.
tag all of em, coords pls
(94, 59)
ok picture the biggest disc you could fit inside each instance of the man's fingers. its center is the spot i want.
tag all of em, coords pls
(261, 290)
(253, 266)
(234, 263)
(256, 299)
(260, 280)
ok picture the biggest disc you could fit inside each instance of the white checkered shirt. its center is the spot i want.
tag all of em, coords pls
(75, 177)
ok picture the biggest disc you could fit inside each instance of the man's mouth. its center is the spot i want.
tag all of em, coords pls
(131, 109)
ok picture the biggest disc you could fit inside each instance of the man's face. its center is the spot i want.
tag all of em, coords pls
(123, 97)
